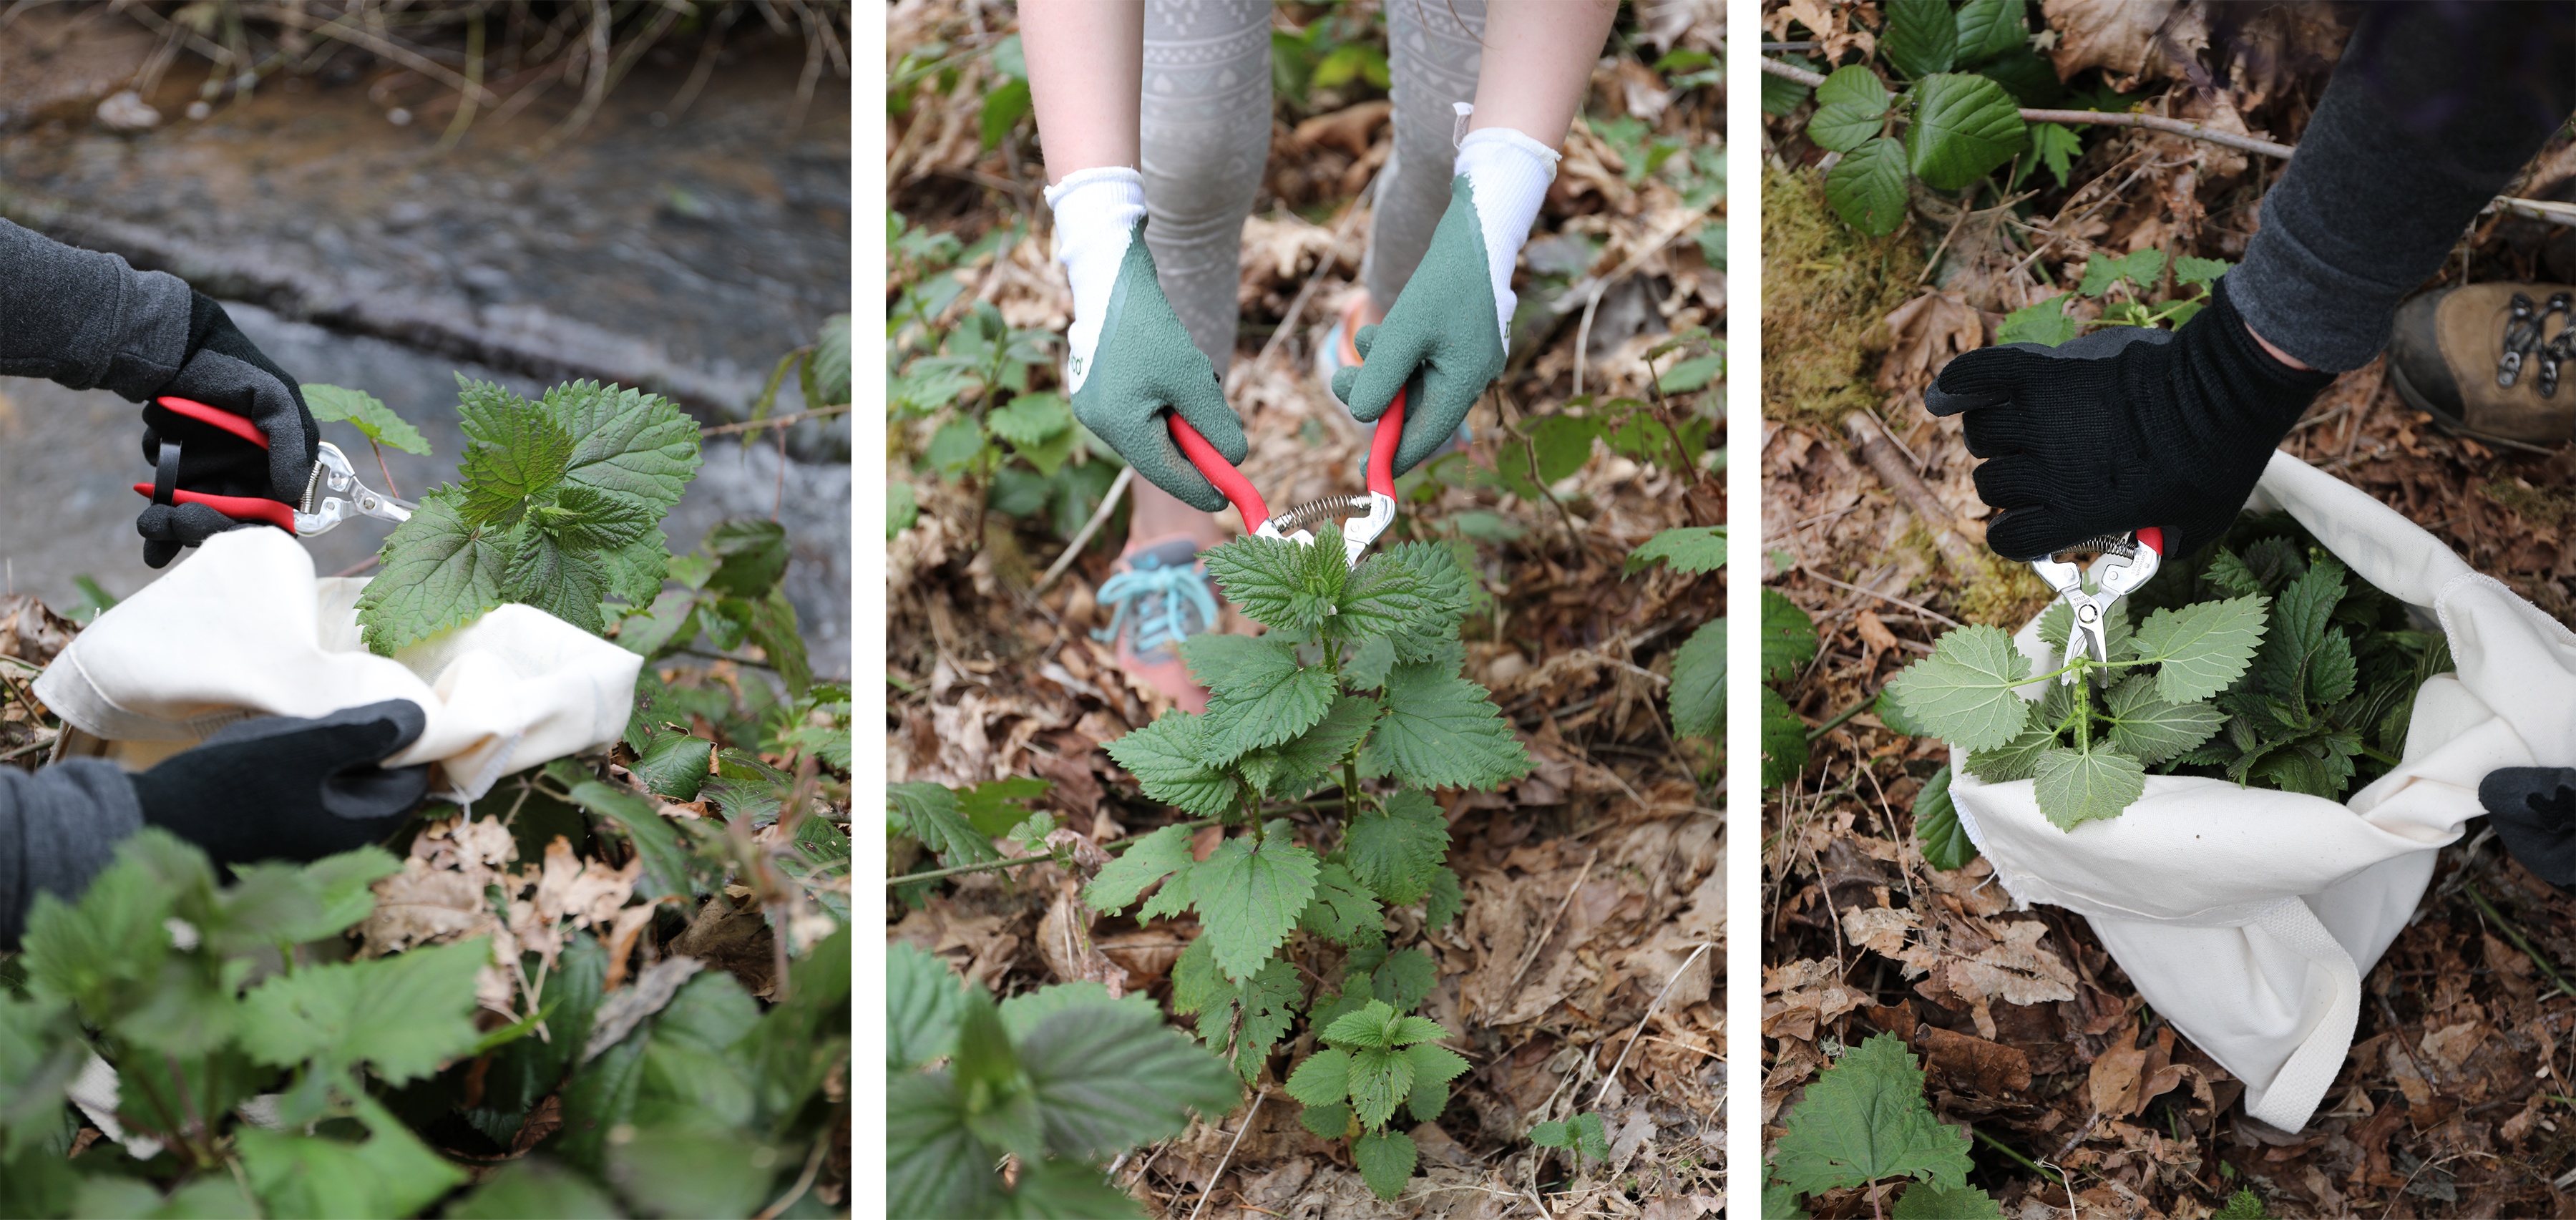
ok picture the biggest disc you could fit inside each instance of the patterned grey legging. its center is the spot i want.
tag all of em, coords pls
(1206, 137)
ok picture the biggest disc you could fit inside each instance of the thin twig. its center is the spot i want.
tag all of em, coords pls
(2102, 118)
(1650, 1015)
(1916, 607)
(1081, 539)
(2514, 934)
(1531, 957)
(1255, 1112)
(776, 421)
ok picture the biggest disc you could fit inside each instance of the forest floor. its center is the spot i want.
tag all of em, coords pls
(2455, 1099)
(1593, 885)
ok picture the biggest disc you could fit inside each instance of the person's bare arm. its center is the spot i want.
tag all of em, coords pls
(1086, 73)
(1538, 61)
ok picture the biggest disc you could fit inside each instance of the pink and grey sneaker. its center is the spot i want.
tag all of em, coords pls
(1160, 596)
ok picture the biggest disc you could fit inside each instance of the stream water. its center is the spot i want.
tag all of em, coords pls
(685, 252)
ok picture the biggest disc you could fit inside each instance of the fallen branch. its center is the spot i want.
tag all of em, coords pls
(2099, 118)
(1909, 487)
(1099, 516)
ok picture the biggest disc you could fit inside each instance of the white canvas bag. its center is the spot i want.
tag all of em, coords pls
(2248, 917)
(246, 629)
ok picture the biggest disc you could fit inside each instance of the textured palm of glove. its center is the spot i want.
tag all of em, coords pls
(1144, 365)
(283, 788)
(2123, 429)
(224, 370)
(2535, 814)
(1442, 328)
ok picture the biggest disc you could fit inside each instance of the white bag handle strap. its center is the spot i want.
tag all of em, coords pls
(2300, 1086)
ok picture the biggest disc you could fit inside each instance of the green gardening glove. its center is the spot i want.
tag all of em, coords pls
(1442, 328)
(1142, 365)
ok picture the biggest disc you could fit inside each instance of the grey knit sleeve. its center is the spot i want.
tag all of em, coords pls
(58, 827)
(87, 319)
(2431, 111)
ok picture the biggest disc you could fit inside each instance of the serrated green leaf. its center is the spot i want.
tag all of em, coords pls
(1788, 637)
(1362, 1029)
(1249, 895)
(2152, 730)
(439, 572)
(1386, 1160)
(2043, 322)
(1030, 419)
(534, 1187)
(923, 1003)
(1322, 1080)
(1250, 1016)
(2054, 147)
(1265, 706)
(1865, 1119)
(1408, 1030)
(934, 1165)
(1443, 731)
(1937, 829)
(930, 814)
(1279, 582)
(2079, 786)
(2332, 673)
(402, 1015)
(1446, 900)
(1434, 1065)
(1148, 860)
(1109, 1077)
(1402, 980)
(1446, 589)
(365, 412)
(1369, 663)
(514, 449)
(1964, 125)
(2015, 759)
(1328, 741)
(1784, 740)
(995, 806)
(390, 1174)
(1988, 28)
(1394, 852)
(1698, 698)
(1696, 548)
(1964, 691)
(1381, 598)
(1343, 911)
(627, 443)
(1924, 1201)
(1332, 1121)
(751, 555)
(545, 573)
(1920, 38)
(1381, 1078)
(2201, 649)
(1165, 758)
(1867, 187)
(1222, 660)
(2188, 270)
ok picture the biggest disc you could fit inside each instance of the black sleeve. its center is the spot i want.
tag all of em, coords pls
(2429, 114)
(58, 827)
(86, 319)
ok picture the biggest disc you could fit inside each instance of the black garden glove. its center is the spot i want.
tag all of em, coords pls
(282, 788)
(224, 370)
(2125, 428)
(2534, 812)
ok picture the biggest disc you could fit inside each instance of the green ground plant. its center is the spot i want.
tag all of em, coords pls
(2260, 660)
(1864, 1122)
(1057, 1079)
(1358, 679)
(1697, 697)
(2122, 284)
(1580, 1136)
(1788, 644)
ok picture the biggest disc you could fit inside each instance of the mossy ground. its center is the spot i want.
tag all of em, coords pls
(1825, 291)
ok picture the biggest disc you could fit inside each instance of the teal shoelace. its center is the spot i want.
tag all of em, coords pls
(1163, 600)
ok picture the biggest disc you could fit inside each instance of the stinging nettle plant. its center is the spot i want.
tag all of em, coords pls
(1359, 678)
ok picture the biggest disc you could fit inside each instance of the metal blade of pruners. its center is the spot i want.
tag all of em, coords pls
(332, 493)
(1372, 512)
(2125, 563)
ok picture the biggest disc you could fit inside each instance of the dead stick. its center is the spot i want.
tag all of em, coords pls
(1108, 505)
(1909, 487)
(1650, 1015)
(2103, 118)
(1229, 1153)
(1530, 958)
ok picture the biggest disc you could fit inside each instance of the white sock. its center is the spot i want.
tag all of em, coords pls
(1510, 173)
(1096, 211)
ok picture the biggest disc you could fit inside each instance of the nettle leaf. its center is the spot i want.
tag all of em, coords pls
(1963, 692)
(1250, 1017)
(1447, 898)
(1695, 548)
(1865, 1119)
(1381, 1079)
(1402, 980)
(1266, 704)
(2042, 322)
(2140, 267)
(1330, 740)
(1443, 731)
(924, 1002)
(2145, 725)
(365, 412)
(2079, 786)
(1937, 829)
(1030, 419)
(2203, 271)
(1343, 911)
(1323, 1079)
(627, 443)
(1867, 187)
(1366, 669)
(1385, 1160)
(1148, 860)
(1698, 698)
(1109, 1076)
(1964, 125)
(1921, 37)
(402, 1015)
(2203, 648)
(1380, 598)
(440, 571)
(1249, 896)
(544, 573)
(1222, 659)
(1395, 852)
(1165, 758)
(930, 814)
(1445, 590)
(1924, 1201)
(2015, 759)
(514, 449)
(1788, 637)
(1364, 1028)
(1282, 583)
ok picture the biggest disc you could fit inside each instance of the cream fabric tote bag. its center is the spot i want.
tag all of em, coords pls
(244, 628)
(2249, 917)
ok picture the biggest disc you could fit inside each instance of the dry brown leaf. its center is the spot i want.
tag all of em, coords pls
(2017, 970)
(1925, 333)
(1882, 929)
(1995, 1069)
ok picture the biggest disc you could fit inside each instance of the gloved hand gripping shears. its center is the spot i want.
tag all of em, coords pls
(318, 512)
(2126, 563)
(1376, 509)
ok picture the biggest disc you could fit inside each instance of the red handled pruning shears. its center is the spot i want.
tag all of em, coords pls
(1377, 508)
(2125, 564)
(318, 512)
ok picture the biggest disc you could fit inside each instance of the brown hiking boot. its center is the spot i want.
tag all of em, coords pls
(2487, 360)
